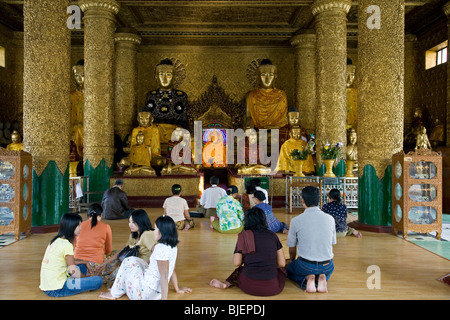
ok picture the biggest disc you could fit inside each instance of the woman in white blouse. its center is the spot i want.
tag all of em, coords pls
(142, 281)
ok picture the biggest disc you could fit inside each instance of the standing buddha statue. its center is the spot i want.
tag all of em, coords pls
(77, 107)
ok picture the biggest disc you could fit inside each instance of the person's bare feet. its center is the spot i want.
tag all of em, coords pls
(357, 234)
(322, 284)
(106, 295)
(310, 284)
(219, 284)
(186, 227)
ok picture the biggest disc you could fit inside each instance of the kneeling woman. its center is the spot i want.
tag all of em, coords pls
(259, 257)
(140, 281)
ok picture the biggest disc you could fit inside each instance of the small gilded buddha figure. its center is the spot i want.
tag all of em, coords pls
(181, 144)
(285, 161)
(214, 153)
(151, 136)
(422, 141)
(293, 120)
(77, 107)
(167, 104)
(140, 158)
(266, 106)
(251, 155)
(352, 148)
(16, 144)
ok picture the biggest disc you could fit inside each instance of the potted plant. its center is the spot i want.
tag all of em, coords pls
(329, 154)
(299, 157)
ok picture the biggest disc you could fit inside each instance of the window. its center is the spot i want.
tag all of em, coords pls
(441, 56)
(436, 55)
(2, 57)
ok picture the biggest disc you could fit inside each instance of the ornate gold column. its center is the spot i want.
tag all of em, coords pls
(304, 44)
(331, 66)
(380, 104)
(446, 10)
(99, 30)
(46, 106)
(412, 80)
(127, 45)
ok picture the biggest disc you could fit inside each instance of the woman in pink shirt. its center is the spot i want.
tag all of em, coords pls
(95, 238)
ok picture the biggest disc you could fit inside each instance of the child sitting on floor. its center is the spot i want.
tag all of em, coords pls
(177, 208)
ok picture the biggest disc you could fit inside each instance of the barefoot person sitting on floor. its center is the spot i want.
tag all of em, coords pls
(311, 236)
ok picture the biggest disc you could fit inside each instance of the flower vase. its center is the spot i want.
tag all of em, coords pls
(329, 168)
(298, 165)
(349, 164)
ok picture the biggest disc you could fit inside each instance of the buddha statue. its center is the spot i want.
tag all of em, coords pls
(181, 142)
(77, 107)
(16, 144)
(140, 158)
(296, 141)
(420, 120)
(251, 153)
(214, 150)
(422, 141)
(293, 120)
(351, 153)
(151, 136)
(352, 96)
(167, 104)
(266, 106)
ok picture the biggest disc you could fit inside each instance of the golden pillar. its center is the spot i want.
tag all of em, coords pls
(99, 31)
(304, 44)
(46, 106)
(127, 45)
(446, 9)
(412, 80)
(381, 43)
(331, 66)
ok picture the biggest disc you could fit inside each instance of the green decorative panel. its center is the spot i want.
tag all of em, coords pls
(375, 197)
(98, 179)
(50, 196)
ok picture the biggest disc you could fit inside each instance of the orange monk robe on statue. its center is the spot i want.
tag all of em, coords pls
(268, 107)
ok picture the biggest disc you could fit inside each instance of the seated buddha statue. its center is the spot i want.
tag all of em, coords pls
(285, 161)
(140, 158)
(15, 145)
(351, 153)
(77, 107)
(422, 141)
(214, 150)
(293, 120)
(266, 106)
(181, 149)
(251, 155)
(151, 136)
(167, 105)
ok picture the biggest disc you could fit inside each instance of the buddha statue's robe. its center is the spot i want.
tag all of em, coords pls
(15, 146)
(151, 138)
(169, 110)
(140, 155)
(268, 108)
(285, 161)
(76, 119)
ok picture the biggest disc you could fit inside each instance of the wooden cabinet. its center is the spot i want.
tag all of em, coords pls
(15, 192)
(417, 192)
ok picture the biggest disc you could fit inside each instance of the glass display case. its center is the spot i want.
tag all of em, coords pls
(15, 192)
(417, 192)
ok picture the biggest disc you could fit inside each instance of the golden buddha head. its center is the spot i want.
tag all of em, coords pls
(296, 133)
(352, 136)
(15, 136)
(78, 73)
(267, 73)
(293, 118)
(140, 138)
(145, 119)
(164, 73)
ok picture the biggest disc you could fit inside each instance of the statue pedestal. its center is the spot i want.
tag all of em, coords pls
(151, 191)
